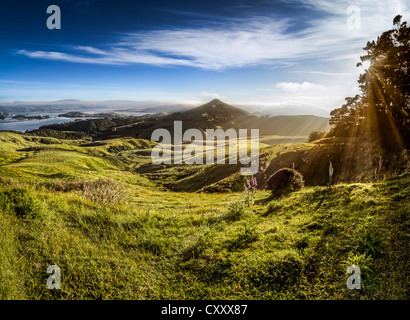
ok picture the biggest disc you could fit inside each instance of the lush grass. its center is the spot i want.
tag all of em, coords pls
(172, 245)
(181, 245)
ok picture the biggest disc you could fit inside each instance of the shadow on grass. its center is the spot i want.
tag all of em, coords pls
(265, 201)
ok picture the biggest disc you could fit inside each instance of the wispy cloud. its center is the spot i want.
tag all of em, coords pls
(117, 56)
(323, 73)
(291, 87)
(243, 42)
(21, 84)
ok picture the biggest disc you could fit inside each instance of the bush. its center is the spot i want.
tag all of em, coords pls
(237, 184)
(285, 181)
(236, 211)
(316, 135)
(44, 132)
(20, 201)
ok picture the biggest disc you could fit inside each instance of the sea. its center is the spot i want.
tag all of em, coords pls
(28, 125)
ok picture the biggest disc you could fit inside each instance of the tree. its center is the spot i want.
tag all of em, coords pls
(382, 107)
(346, 120)
(316, 135)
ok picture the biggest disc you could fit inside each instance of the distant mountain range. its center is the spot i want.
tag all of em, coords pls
(61, 106)
(290, 109)
(130, 107)
(212, 115)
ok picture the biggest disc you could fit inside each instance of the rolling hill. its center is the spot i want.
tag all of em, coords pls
(117, 234)
(214, 114)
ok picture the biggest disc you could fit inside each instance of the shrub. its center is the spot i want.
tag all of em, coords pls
(20, 201)
(363, 261)
(236, 211)
(44, 132)
(316, 135)
(284, 181)
(237, 184)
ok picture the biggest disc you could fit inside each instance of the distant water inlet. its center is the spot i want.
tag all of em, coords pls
(198, 147)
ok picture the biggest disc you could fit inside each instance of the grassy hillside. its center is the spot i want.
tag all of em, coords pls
(117, 234)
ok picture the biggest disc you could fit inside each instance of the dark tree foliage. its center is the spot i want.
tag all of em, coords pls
(316, 135)
(381, 110)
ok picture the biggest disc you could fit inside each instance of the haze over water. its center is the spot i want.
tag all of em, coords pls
(27, 125)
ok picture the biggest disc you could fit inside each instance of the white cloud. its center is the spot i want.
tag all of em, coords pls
(116, 57)
(246, 42)
(292, 87)
(323, 73)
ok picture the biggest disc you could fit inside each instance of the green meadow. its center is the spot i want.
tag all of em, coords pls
(120, 228)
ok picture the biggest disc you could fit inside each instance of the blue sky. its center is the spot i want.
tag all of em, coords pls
(262, 53)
